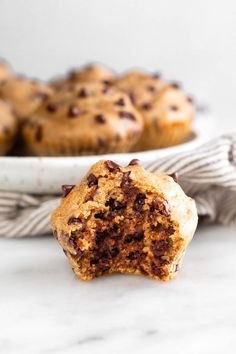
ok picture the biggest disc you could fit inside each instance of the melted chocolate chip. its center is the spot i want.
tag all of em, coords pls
(136, 236)
(147, 106)
(114, 252)
(73, 221)
(51, 107)
(83, 93)
(112, 166)
(115, 204)
(125, 182)
(128, 115)
(101, 236)
(39, 133)
(66, 189)
(92, 180)
(157, 271)
(139, 202)
(161, 206)
(100, 119)
(159, 248)
(134, 162)
(73, 111)
(120, 102)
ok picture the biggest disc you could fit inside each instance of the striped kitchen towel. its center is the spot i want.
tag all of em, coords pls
(207, 174)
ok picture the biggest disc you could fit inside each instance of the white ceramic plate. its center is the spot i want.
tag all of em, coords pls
(46, 174)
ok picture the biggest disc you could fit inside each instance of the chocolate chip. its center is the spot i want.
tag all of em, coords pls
(128, 115)
(73, 111)
(151, 88)
(100, 118)
(174, 108)
(190, 99)
(120, 102)
(112, 166)
(157, 271)
(92, 180)
(66, 189)
(83, 93)
(72, 75)
(107, 82)
(101, 236)
(139, 202)
(39, 133)
(114, 252)
(156, 76)
(51, 107)
(161, 206)
(160, 247)
(136, 236)
(125, 182)
(175, 84)
(99, 215)
(147, 106)
(115, 204)
(134, 162)
(151, 217)
(174, 176)
(74, 220)
(131, 96)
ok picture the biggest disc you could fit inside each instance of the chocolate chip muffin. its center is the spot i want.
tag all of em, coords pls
(167, 118)
(69, 125)
(124, 220)
(167, 112)
(8, 127)
(90, 73)
(25, 95)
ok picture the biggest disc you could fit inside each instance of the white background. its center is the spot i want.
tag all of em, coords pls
(191, 41)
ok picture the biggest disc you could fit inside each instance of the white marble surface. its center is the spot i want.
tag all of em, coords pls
(44, 309)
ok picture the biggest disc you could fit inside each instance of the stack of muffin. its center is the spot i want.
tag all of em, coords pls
(92, 111)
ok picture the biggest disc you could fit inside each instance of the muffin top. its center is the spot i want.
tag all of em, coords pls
(140, 86)
(89, 121)
(90, 73)
(24, 95)
(170, 105)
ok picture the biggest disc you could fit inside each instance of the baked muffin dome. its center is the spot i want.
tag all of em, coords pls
(125, 220)
(8, 127)
(68, 125)
(167, 119)
(24, 95)
(90, 73)
(166, 110)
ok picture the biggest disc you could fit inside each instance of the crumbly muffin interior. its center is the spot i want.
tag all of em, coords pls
(127, 230)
